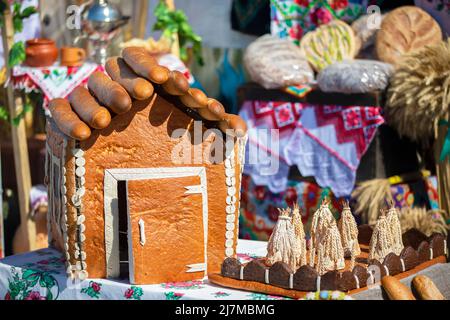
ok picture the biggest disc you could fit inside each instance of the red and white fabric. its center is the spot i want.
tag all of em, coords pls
(55, 81)
(323, 141)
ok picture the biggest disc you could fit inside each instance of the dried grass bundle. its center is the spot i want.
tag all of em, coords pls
(369, 197)
(426, 221)
(419, 93)
(349, 232)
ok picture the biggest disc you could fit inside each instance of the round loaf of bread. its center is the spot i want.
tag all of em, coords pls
(404, 30)
(274, 63)
(330, 43)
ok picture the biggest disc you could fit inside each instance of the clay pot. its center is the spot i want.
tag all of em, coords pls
(72, 56)
(40, 53)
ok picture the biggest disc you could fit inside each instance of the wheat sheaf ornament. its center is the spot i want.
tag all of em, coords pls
(321, 215)
(330, 254)
(381, 241)
(299, 233)
(283, 245)
(349, 231)
(326, 242)
(396, 229)
(419, 92)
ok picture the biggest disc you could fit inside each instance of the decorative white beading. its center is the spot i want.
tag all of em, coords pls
(80, 191)
(230, 181)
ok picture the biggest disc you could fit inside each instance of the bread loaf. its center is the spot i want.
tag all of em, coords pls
(395, 289)
(109, 93)
(145, 65)
(87, 108)
(194, 99)
(214, 112)
(329, 43)
(137, 87)
(176, 84)
(233, 125)
(67, 121)
(276, 63)
(405, 30)
(355, 76)
(426, 289)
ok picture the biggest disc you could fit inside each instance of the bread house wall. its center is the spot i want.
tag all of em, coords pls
(60, 218)
(141, 138)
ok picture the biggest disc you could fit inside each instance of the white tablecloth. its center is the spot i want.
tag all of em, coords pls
(41, 275)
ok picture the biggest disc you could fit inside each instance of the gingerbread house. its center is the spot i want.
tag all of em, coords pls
(129, 196)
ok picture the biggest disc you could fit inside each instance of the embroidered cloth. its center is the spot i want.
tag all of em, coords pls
(324, 141)
(55, 81)
(259, 206)
(293, 18)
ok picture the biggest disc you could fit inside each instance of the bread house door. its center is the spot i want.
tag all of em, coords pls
(167, 214)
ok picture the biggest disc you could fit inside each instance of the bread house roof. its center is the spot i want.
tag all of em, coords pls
(135, 76)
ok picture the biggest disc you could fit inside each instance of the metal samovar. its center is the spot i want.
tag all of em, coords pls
(101, 22)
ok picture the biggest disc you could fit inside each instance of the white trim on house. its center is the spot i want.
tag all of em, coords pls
(111, 208)
(56, 210)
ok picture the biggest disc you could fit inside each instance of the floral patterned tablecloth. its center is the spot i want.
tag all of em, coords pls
(293, 18)
(40, 275)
